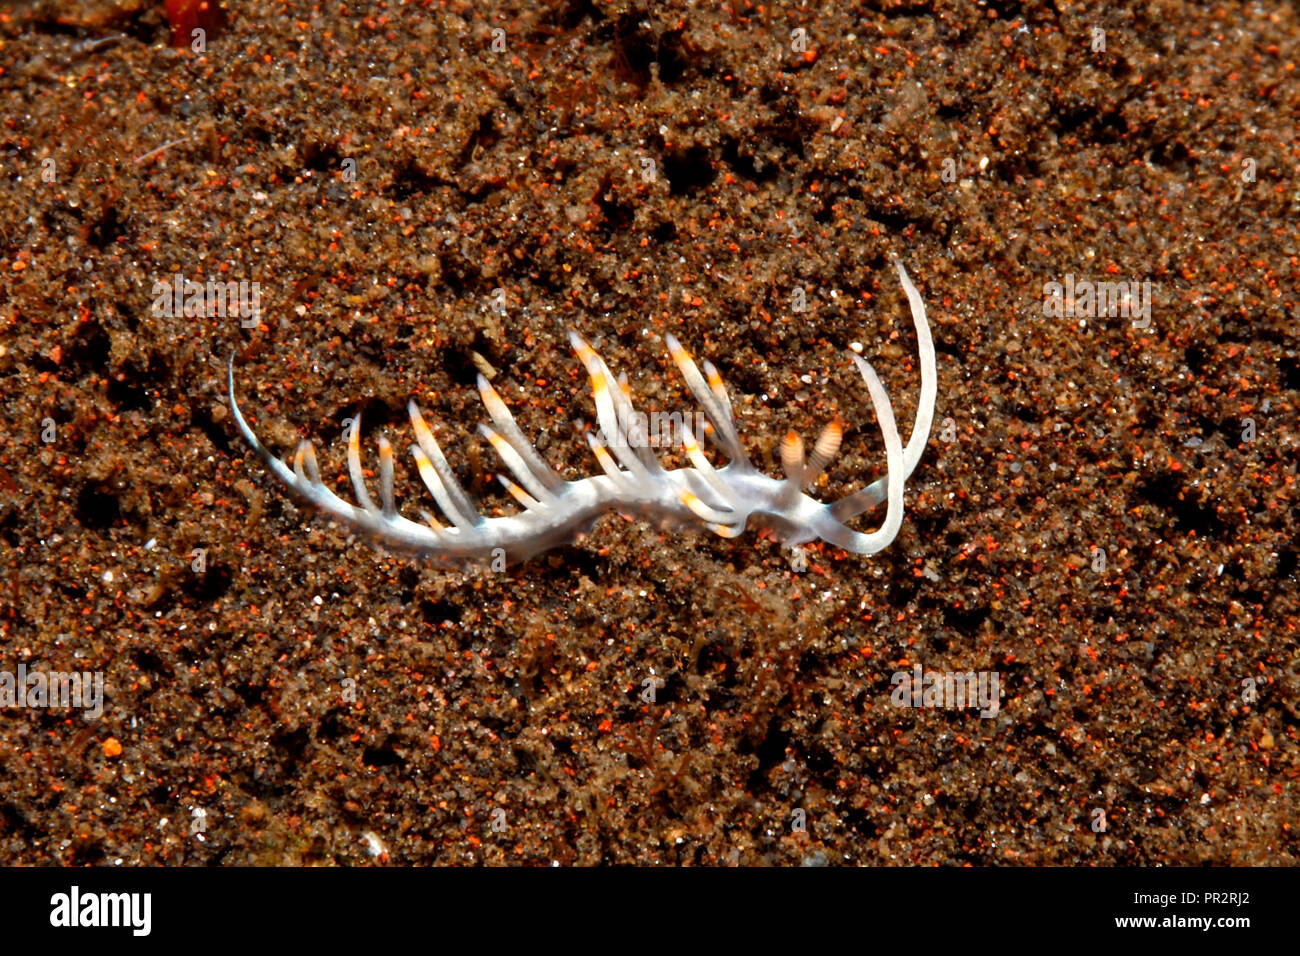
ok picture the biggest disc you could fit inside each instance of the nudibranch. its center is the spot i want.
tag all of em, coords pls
(633, 481)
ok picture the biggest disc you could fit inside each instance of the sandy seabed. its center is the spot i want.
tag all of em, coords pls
(1103, 518)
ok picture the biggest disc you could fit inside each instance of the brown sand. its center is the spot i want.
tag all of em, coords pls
(766, 168)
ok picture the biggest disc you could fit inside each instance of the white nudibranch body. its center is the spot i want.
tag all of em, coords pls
(556, 511)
